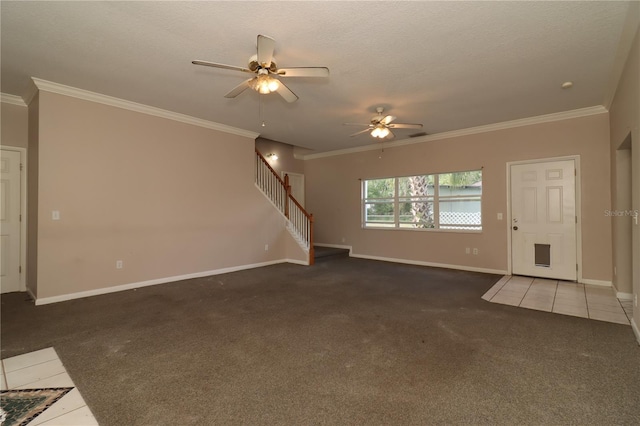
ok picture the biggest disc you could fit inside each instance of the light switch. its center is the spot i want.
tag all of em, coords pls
(55, 215)
(499, 216)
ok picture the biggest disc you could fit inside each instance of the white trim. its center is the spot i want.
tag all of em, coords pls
(131, 286)
(634, 327)
(33, 296)
(23, 212)
(86, 95)
(338, 246)
(578, 206)
(297, 262)
(623, 296)
(12, 99)
(595, 282)
(430, 264)
(558, 116)
(31, 92)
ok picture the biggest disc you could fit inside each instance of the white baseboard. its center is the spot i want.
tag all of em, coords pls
(338, 246)
(297, 262)
(131, 286)
(33, 296)
(596, 282)
(435, 265)
(624, 296)
(635, 330)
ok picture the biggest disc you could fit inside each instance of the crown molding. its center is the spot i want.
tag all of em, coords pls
(48, 86)
(12, 99)
(31, 92)
(547, 118)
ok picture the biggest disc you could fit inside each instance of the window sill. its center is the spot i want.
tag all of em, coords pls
(448, 231)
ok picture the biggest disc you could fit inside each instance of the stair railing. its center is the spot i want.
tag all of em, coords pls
(279, 192)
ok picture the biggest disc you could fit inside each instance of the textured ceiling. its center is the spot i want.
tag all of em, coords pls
(447, 65)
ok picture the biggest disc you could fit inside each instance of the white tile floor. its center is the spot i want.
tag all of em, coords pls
(561, 297)
(43, 369)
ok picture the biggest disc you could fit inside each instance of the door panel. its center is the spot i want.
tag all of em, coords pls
(10, 221)
(543, 214)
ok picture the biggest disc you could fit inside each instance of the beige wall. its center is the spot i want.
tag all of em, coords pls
(286, 161)
(168, 198)
(625, 121)
(32, 196)
(14, 125)
(333, 193)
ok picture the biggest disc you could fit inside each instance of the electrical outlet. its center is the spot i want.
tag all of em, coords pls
(344, 240)
(467, 250)
(55, 215)
(475, 251)
(266, 247)
(119, 264)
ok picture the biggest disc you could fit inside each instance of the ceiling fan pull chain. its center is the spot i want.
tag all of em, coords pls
(260, 110)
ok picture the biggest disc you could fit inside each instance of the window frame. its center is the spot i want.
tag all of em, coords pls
(435, 199)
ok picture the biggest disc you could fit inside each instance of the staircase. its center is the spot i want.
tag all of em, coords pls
(299, 222)
(330, 253)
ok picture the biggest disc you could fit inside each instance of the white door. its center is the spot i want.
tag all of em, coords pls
(296, 180)
(543, 220)
(10, 221)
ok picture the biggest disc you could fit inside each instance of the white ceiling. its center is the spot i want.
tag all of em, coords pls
(447, 65)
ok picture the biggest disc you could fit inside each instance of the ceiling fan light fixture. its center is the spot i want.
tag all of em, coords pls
(380, 132)
(265, 84)
(274, 84)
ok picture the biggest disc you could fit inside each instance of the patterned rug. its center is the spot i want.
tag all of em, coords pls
(18, 407)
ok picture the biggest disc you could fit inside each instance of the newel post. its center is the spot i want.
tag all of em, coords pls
(312, 255)
(287, 187)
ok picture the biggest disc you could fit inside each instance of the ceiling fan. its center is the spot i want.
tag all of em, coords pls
(264, 65)
(380, 126)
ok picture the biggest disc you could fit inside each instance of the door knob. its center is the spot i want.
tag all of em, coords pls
(515, 228)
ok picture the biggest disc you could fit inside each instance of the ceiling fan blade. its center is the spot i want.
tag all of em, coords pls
(390, 135)
(388, 119)
(405, 126)
(239, 88)
(266, 45)
(286, 93)
(304, 72)
(360, 132)
(358, 124)
(223, 66)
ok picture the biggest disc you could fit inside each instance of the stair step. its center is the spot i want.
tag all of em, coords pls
(322, 252)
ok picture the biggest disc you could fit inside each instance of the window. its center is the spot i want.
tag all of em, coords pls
(442, 201)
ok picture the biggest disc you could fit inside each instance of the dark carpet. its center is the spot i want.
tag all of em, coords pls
(347, 341)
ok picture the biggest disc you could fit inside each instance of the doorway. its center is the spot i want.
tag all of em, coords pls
(296, 180)
(623, 219)
(12, 229)
(543, 219)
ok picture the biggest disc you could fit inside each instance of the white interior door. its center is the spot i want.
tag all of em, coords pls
(296, 180)
(543, 220)
(10, 244)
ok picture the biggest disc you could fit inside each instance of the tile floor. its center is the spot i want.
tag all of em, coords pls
(43, 369)
(561, 297)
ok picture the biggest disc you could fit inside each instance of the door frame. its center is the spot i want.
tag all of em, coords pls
(23, 212)
(578, 189)
(283, 173)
